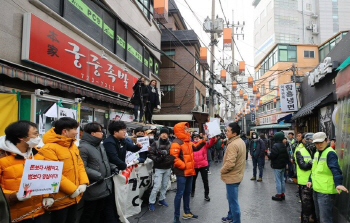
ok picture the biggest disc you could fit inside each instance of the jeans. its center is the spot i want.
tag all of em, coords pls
(161, 179)
(234, 212)
(323, 207)
(92, 211)
(280, 184)
(184, 186)
(204, 174)
(136, 109)
(65, 215)
(258, 161)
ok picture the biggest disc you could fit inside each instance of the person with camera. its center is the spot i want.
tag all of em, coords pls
(153, 101)
(97, 168)
(163, 161)
(140, 98)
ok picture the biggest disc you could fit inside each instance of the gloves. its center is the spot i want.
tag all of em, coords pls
(24, 197)
(163, 152)
(310, 162)
(82, 188)
(75, 194)
(48, 202)
(115, 171)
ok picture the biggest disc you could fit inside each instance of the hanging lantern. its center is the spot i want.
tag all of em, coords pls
(243, 110)
(260, 102)
(241, 66)
(278, 92)
(256, 108)
(234, 85)
(274, 100)
(247, 106)
(248, 112)
(203, 51)
(257, 95)
(255, 89)
(252, 109)
(223, 74)
(248, 102)
(245, 97)
(241, 93)
(250, 82)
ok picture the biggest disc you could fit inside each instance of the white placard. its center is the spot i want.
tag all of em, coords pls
(145, 143)
(52, 112)
(67, 112)
(288, 97)
(213, 129)
(215, 120)
(130, 157)
(41, 177)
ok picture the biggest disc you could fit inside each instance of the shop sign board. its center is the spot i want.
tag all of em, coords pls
(288, 97)
(47, 46)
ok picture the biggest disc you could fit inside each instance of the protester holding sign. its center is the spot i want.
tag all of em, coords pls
(60, 146)
(97, 168)
(182, 149)
(163, 161)
(116, 145)
(15, 147)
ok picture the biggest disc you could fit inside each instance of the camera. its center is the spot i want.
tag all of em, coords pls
(79, 100)
(41, 92)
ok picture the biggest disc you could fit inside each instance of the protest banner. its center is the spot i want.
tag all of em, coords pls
(145, 143)
(41, 177)
(130, 186)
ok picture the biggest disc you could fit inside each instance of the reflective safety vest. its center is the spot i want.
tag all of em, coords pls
(303, 175)
(298, 148)
(321, 175)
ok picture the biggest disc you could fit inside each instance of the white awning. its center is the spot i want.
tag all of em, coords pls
(173, 117)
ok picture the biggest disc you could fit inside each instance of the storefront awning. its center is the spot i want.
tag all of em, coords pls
(285, 119)
(307, 109)
(274, 126)
(58, 84)
(173, 117)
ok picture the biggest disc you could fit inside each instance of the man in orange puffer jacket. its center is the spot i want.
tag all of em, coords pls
(182, 149)
(60, 146)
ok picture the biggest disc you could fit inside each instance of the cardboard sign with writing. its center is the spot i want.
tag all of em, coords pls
(145, 143)
(41, 177)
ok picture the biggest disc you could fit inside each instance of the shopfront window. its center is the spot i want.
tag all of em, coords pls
(86, 115)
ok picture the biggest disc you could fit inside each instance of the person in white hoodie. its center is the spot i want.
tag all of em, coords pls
(15, 147)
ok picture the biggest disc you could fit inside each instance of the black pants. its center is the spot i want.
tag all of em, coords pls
(204, 174)
(149, 111)
(65, 215)
(307, 204)
(92, 211)
(32, 220)
(109, 213)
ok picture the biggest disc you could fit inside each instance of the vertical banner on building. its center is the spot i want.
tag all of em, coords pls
(288, 97)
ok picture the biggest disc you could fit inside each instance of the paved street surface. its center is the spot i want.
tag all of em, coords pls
(254, 198)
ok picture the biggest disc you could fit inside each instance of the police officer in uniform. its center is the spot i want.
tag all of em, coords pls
(326, 178)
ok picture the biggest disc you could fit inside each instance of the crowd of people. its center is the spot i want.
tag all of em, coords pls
(87, 169)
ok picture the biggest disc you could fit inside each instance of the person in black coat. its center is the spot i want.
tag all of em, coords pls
(5, 216)
(140, 98)
(116, 145)
(153, 100)
(279, 158)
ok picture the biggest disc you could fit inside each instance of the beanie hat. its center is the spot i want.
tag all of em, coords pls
(278, 137)
(164, 130)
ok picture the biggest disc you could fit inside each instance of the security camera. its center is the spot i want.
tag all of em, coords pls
(79, 100)
(39, 92)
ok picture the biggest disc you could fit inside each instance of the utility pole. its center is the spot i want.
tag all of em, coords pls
(212, 77)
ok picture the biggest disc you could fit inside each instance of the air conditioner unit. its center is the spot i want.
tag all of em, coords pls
(195, 108)
(314, 16)
(314, 29)
(309, 27)
(199, 109)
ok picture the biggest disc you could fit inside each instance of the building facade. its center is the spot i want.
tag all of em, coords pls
(75, 58)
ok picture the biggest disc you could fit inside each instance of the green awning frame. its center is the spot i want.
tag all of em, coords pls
(344, 64)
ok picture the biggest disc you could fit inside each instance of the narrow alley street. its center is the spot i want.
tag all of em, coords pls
(254, 198)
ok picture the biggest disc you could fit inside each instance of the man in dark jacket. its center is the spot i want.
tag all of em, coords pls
(257, 151)
(97, 168)
(116, 145)
(4, 209)
(140, 98)
(279, 159)
(163, 161)
(153, 100)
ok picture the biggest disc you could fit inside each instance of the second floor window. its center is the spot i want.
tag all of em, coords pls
(167, 63)
(146, 6)
(168, 93)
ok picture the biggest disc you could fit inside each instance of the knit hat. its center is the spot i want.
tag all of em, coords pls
(278, 136)
(164, 130)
